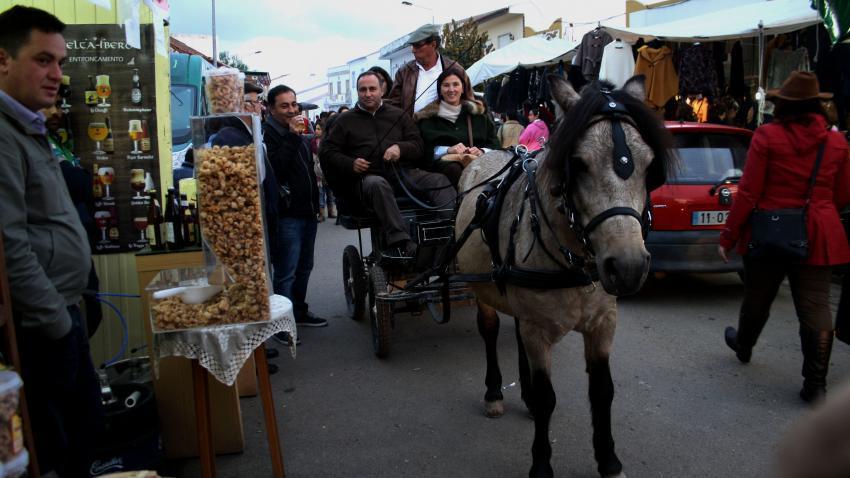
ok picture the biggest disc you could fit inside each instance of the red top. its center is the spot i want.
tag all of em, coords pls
(779, 164)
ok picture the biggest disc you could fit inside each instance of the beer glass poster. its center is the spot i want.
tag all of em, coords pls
(107, 97)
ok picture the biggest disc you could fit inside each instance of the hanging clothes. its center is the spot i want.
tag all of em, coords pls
(737, 86)
(719, 53)
(589, 54)
(662, 82)
(504, 103)
(519, 86)
(618, 64)
(491, 94)
(697, 73)
(783, 62)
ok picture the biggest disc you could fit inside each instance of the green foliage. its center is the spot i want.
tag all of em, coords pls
(462, 42)
(232, 60)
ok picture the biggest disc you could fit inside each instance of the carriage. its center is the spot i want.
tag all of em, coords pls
(378, 286)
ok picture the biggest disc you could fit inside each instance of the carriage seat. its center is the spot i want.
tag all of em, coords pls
(352, 215)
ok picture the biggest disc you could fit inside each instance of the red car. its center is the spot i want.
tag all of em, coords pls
(689, 211)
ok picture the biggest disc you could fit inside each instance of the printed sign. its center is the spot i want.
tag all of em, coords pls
(109, 104)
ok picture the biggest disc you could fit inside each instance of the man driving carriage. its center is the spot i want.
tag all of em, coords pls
(359, 158)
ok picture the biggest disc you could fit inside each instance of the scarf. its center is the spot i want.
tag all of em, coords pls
(449, 112)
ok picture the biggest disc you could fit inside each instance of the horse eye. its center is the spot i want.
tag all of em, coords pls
(578, 165)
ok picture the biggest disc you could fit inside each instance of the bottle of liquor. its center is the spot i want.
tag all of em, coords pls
(96, 185)
(136, 91)
(146, 137)
(91, 93)
(173, 222)
(189, 233)
(154, 231)
(193, 212)
(109, 143)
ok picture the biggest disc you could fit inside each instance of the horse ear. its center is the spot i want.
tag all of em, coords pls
(563, 94)
(636, 87)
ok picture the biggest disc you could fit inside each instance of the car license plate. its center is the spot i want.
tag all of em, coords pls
(708, 218)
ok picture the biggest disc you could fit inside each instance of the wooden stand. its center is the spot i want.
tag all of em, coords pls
(9, 347)
(203, 420)
(174, 393)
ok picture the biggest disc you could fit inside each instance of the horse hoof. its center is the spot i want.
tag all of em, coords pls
(494, 409)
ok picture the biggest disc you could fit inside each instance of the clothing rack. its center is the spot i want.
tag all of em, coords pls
(9, 349)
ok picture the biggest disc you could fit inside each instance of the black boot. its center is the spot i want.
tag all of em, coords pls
(743, 353)
(842, 316)
(817, 348)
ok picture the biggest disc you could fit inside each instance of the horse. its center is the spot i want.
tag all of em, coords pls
(584, 208)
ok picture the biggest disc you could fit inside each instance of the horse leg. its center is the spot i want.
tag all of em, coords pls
(524, 373)
(488, 327)
(541, 399)
(597, 346)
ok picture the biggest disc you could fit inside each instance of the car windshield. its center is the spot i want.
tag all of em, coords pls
(183, 99)
(706, 158)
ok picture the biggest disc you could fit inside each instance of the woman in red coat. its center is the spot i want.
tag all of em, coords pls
(779, 165)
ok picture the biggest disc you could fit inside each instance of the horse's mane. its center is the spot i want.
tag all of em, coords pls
(572, 127)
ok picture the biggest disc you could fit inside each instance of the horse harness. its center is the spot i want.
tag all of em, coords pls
(574, 268)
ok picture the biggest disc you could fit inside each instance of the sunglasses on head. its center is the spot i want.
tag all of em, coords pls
(421, 43)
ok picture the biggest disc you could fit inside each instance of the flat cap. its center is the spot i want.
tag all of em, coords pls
(423, 33)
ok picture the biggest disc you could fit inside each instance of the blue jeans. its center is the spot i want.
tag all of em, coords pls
(293, 260)
(326, 197)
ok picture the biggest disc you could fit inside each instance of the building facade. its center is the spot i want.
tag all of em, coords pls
(359, 65)
(339, 88)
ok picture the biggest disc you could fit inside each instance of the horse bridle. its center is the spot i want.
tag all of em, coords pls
(623, 165)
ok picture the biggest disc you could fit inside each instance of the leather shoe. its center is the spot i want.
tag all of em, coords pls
(744, 354)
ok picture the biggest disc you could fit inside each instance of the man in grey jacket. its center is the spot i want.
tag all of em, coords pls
(46, 248)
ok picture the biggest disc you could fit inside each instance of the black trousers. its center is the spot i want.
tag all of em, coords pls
(810, 287)
(378, 195)
(63, 396)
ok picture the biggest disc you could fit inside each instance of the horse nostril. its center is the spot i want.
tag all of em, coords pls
(609, 267)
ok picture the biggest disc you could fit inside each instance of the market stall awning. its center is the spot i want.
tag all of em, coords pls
(777, 16)
(531, 51)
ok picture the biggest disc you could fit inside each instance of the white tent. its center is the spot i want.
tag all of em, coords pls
(777, 16)
(531, 51)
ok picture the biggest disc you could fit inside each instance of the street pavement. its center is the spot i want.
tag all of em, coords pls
(683, 406)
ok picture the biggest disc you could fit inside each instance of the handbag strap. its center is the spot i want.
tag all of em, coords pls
(814, 177)
(469, 128)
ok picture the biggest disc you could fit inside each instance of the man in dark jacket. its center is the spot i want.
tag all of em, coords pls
(292, 162)
(357, 158)
(415, 83)
(46, 248)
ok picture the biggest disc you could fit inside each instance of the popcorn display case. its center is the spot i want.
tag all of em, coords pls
(234, 286)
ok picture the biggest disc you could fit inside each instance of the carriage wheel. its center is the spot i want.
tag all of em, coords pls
(354, 282)
(380, 313)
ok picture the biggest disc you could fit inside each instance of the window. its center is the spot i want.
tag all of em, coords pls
(338, 87)
(183, 98)
(347, 86)
(708, 158)
(503, 40)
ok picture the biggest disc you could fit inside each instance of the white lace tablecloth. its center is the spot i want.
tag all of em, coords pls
(224, 349)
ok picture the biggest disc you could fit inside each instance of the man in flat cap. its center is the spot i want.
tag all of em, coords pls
(415, 83)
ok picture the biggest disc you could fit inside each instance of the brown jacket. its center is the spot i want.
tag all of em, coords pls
(662, 82)
(403, 94)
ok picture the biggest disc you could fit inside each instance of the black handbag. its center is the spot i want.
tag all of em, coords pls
(781, 233)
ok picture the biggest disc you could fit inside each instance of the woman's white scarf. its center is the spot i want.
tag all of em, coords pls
(449, 112)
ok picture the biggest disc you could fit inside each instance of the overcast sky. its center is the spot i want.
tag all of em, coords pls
(304, 38)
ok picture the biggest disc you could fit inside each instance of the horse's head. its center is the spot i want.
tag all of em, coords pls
(610, 151)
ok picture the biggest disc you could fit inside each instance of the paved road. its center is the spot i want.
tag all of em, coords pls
(684, 406)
